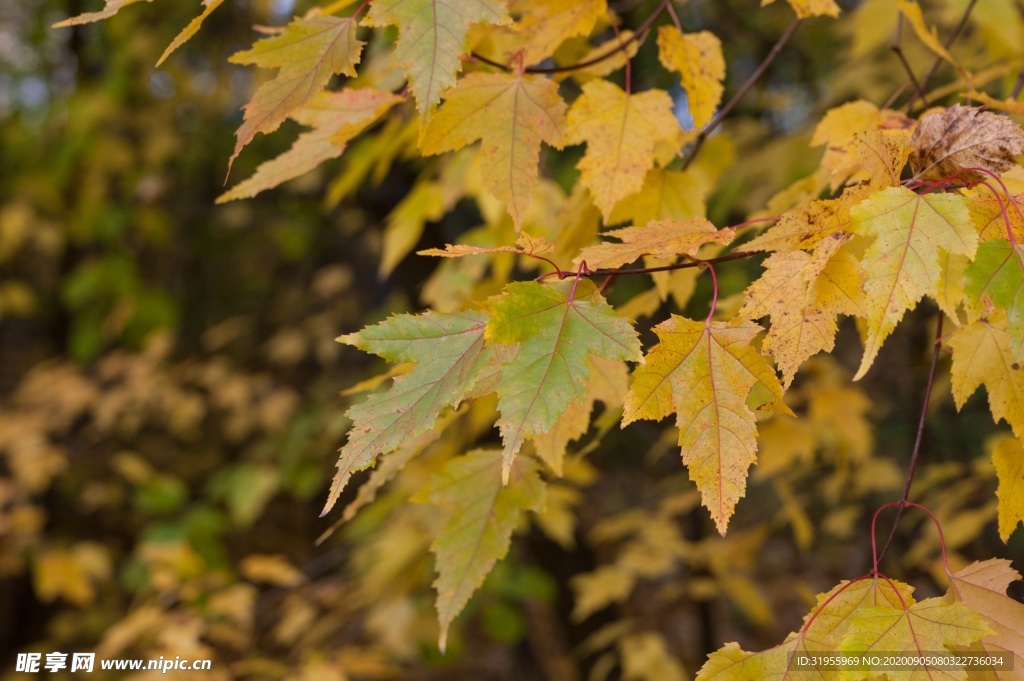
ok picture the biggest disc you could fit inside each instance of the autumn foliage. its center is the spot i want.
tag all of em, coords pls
(600, 264)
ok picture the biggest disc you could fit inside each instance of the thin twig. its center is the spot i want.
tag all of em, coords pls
(897, 48)
(754, 77)
(948, 44)
(1018, 86)
(639, 34)
(914, 455)
(693, 262)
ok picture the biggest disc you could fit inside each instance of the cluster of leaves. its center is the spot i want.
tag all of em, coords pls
(898, 210)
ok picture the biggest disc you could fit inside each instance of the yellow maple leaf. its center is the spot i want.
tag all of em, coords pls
(512, 115)
(703, 371)
(662, 238)
(807, 225)
(810, 8)
(664, 195)
(902, 264)
(987, 212)
(982, 356)
(981, 586)
(803, 294)
(1008, 458)
(110, 8)
(548, 23)
(697, 57)
(308, 52)
(191, 29)
(336, 117)
(621, 130)
(929, 36)
(432, 38)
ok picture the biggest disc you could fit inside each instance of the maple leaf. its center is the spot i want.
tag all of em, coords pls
(308, 52)
(697, 57)
(664, 195)
(902, 264)
(703, 371)
(110, 8)
(432, 40)
(512, 115)
(621, 130)
(911, 11)
(556, 328)
(991, 211)
(981, 586)
(191, 29)
(998, 273)
(947, 143)
(806, 226)
(662, 238)
(483, 514)
(549, 23)
(982, 356)
(1008, 459)
(803, 294)
(405, 223)
(525, 244)
(810, 8)
(449, 353)
(336, 117)
(929, 626)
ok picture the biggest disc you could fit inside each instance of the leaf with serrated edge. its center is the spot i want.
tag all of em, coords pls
(911, 11)
(449, 353)
(697, 58)
(661, 238)
(946, 144)
(930, 626)
(484, 512)
(998, 273)
(981, 586)
(110, 8)
(902, 264)
(512, 115)
(1008, 459)
(525, 244)
(336, 117)
(804, 294)
(806, 226)
(703, 372)
(190, 30)
(556, 328)
(621, 130)
(308, 52)
(987, 211)
(806, 9)
(432, 40)
(982, 356)
(548, 23)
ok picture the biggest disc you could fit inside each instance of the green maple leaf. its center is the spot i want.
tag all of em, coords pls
(449, 353)
(556, 327)
(484, 512)
(998, 272)
(432, 40)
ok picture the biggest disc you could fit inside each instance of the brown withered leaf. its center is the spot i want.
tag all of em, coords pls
(961, 137)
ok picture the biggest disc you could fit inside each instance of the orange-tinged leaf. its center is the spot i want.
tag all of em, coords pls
(308, 52)
(804, 294)
(525, 244)
(432, 40)
(951, 142)
(555, 328)
(191, 29)
(805, 227)
(662, 238)
(982, 356)
(697, 58)
(336, 117)
(484, 512)
(1008, 459)
(621, 131)
(930, 626)
(703, 372)
(449, 353)
(512, 115)
(997, 273)
(548, 23)
(987, 211)
(110, 8)
(810, 8)
(981, 586)
(902, 264)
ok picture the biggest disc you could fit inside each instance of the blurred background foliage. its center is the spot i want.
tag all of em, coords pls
(169, 382)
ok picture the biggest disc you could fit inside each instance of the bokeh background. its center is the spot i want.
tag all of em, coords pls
(171, 391)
